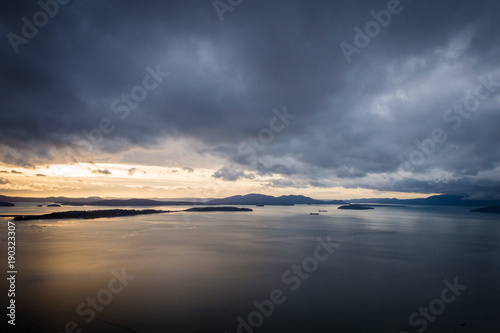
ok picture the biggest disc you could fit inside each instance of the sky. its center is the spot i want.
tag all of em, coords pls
(177, 99)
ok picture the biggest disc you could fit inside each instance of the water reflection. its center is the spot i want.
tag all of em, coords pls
(198, 274)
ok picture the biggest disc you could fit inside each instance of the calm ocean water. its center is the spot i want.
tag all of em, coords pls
(216, 272)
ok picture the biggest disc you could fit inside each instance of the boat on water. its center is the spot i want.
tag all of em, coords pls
(322, 211)
(313, 213)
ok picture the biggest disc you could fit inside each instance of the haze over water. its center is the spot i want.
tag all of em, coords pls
(198, 272)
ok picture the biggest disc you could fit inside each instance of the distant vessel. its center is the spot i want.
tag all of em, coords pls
(322, 211)
(259, 205)
(313, 213)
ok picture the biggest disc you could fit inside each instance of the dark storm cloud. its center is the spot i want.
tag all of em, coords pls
(352, 120)
(232, 173)
(101, 172)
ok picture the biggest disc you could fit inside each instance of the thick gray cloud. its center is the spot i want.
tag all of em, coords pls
(101, 172)
(232, 173)
(354, 121)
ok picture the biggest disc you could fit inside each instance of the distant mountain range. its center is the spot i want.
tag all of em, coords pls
(256, 199)
(49, 199)
(435, 200)
(132, 202)
(249, 199)
(284, 200)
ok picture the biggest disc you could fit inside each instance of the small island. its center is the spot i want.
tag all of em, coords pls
(6, 204)
(218, 209)
(54, 205)
(489, 209)
(355, 207)
(386, 206)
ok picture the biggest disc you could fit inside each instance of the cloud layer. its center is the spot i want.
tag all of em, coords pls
(356, 124)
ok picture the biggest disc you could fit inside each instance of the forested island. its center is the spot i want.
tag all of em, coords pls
(355, 207)
(107, 213)
(218, 209)
(89, 214)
